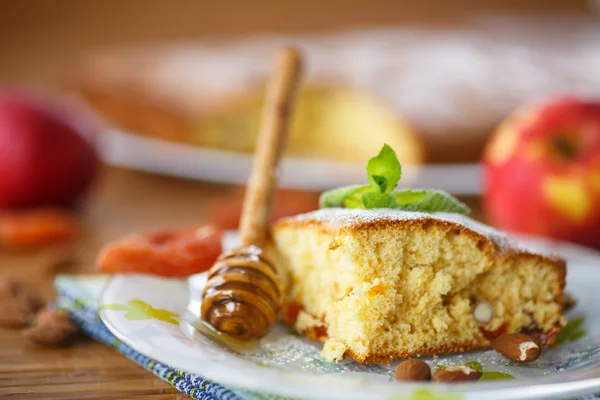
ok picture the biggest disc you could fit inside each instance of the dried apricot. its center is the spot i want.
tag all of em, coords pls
(173, 253)
(36, 227)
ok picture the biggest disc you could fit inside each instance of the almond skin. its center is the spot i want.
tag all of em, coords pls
(413, 370)
(51, 328)
(18, 303)
(456, 373)
(518, 347)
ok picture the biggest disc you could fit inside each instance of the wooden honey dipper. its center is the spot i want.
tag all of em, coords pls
(242, 296)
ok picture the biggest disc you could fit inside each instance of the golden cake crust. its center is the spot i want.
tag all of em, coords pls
(495, 242)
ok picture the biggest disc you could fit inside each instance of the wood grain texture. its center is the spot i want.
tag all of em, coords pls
(85, 370)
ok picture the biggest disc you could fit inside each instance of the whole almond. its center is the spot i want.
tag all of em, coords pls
(51, 328)
(483, 312)
(413, 370)
(18, 303)
(456, 373)
(12, 315)
(518, 347)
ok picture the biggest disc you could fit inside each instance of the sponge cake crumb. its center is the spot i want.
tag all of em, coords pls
(396, 284)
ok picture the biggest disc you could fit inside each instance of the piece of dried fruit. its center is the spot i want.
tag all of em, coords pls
(483, 312)
(456, 373)
(173, 253)
(18, 303)
(36, 227)
(51, 328)
(289, 313)
(316, 332)
(518, 347)
(413, 370)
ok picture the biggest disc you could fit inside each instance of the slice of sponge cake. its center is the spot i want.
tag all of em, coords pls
(379, 285)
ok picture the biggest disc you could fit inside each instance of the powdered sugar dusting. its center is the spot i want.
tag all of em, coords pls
(352, 217)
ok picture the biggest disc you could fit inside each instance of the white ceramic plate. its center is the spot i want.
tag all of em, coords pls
(137, 152)
(155, 315)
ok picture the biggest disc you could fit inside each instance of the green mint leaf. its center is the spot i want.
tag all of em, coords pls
(577, 335)
(336, 197)
(571, 332)
(354, 200)
(428, 201)
(384, 170)
(408, 196)
(475, 365)
(380, 183)
(377, 200)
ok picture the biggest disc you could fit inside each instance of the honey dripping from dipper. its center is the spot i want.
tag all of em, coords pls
(242, 296)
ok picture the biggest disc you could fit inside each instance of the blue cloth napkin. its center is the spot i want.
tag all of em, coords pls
(77, 295)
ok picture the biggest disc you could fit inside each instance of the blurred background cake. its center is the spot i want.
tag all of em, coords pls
(430, 94)
(178, 92)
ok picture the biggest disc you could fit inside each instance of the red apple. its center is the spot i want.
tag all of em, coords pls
(45, 159)
(542, 171)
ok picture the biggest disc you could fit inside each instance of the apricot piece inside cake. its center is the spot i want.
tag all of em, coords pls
(383, 284)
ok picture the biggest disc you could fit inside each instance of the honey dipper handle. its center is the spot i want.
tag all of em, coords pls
(281, 93)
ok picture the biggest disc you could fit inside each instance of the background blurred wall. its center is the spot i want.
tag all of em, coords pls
(40, 40)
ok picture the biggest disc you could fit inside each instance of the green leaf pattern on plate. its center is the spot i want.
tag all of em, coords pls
(495, 375)
(424, 394)
(137, 310)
